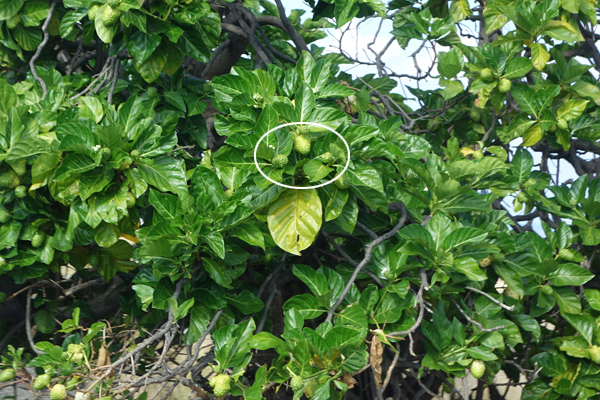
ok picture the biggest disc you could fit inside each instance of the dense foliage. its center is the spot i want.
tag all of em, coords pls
(134, 221)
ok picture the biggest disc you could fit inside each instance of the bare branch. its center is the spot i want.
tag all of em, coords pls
(41, 46)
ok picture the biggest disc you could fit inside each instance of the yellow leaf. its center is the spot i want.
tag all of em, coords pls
(294, 219)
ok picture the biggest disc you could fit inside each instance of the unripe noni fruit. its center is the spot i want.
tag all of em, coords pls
(110, 16)
(222, 385)
(522, 197)
(93, 11)
(302, 144)
(134, 154)
(477, 369)
(485, 262)
(130, 200)
(477, 155)
(552, 128)
(487, 75)
(296, 383)
(38, 239)
(229, 193)
(279, 161)
(303, 130)
(58, 392)
(505, 85)
(562, 124)
(547, 290)
(595, 354)
(498, 257)
(343, 182)
(152, 92)
(327, 158)
(20, 167)
(474, 115)
(114, 3)
(106, 154)
(41, 382)
(7, 375)
(9, 179)
(21, 192)
(74, 348)
(4, 216)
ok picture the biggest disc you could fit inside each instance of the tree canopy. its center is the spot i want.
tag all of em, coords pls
(143, 149)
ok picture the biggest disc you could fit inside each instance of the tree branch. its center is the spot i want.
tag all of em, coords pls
(38, 51)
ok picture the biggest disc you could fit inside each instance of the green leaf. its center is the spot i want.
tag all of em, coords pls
(459, 9)
(315, 281)
(584, 324)
(592, 296)
(153, 65)
(245, 301)
(364, 175)
(74, 164)
(165, 173)
(8, 8)
(572, 109)
(570, 275)
(69, 20)
(307, 305)
(462, 236)
(294, 219)
(517, 68)
(45, 321)
(218, 272)
(142, 45)
(470, 268)
(316, 170)
(105, 33)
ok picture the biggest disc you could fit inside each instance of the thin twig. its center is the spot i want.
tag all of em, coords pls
(424, 286)
(38, 51)
(471, 320)
(509, 308)
(28, 324)
(368, 253)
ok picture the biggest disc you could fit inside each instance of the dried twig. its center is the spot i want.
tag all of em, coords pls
(28, 324)
(368, 254)
(38, 51)
(471, 320)
(509, 308)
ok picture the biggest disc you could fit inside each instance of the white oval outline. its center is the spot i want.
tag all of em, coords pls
(301, 187)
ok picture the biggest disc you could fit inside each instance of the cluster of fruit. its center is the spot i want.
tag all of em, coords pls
(302, 145)
(13, 178)
(504, 85)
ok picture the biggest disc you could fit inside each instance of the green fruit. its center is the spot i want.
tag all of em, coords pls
(229, 193)
(114, 3)
(595, 354)
(477, 369)
(7, 375)
(327, 158)
(505, 85)
(222, 384)
(552, 128)
(110, 16)
(77, 358)
(13, 21)
(152, 92)
(20, 167)
(93, 11)
(302, 144)
(477, 155)
(21, 192)
(485, 262)
(9, 179)
(134, 154)
(4, 216)
(546, 289)
(41, 382)
(303, 129)
(106, 154)
(279, 161)
(38, 239)
(487, 75)
(474, 115)
(343, 182)
(130, 200)
(58, 392)
(74, 348)
(522, 197)
(562, 124)
(296, 383)
(567, 255)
